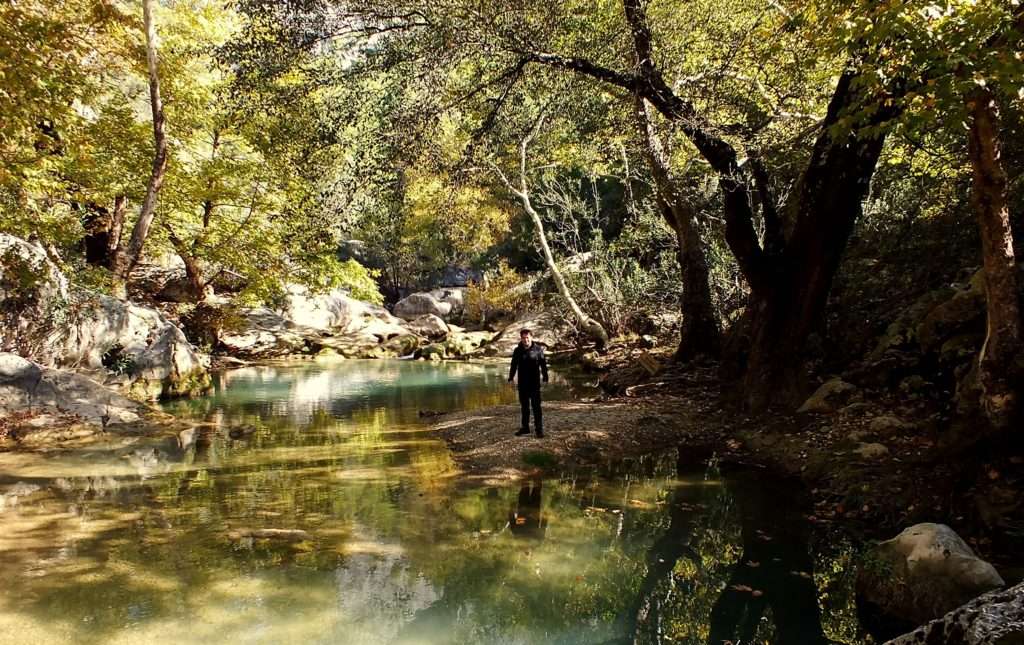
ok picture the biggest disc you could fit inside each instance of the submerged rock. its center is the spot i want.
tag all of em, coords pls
(922, 573)
(996, 617)
(829, 397)
(287, 535)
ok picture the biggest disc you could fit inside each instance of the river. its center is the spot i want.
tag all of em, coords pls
(310, 505)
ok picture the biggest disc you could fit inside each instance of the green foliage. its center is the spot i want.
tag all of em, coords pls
(330, 273)
(503, 292)
(117, 361)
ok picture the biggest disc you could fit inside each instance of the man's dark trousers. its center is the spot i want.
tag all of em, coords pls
(529, 396)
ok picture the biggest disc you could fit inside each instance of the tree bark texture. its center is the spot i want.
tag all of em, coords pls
(126, 259)
(999, 368)
(700, 334)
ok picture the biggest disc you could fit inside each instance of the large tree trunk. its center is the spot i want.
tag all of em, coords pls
(700, 334)
(999, 361)
(116, 228)
(126, 259)
(788, 299)
(790, 271)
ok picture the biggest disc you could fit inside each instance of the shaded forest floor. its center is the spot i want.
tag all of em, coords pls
(906, 476)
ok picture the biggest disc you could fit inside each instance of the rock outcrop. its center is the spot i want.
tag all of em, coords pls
(548, 329)
(309, 323)
(995, 617)
(922, 573)
(57, 325)
(446, 303)
(25, 385)
(931, 347)
(428, 326)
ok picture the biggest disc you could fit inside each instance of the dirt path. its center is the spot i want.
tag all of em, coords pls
(577, 434)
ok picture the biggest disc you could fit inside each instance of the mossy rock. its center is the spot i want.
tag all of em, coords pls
(432, 352)
(402, 345)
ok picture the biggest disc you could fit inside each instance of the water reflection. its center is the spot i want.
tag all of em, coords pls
(526, 519)
(320, 520)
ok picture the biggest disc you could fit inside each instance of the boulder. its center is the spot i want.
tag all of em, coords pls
(922, 573)
(453, 296)
(447, 303)
(434, 352)
(263, 333)
(455, 276)
(964, 312)
(829, 397)
(416, 305)
(140, 344)
(179, 289)
(169, 367)
(995, 617)
(335, 311)
(871, 451)
(902, 332)
(28, 385)
(402, 345)
(89, 330)
(428, 326)
(886, 424)
(311, 322)
(548, 329)
(467, 342)
(35, 300)
(960, 348)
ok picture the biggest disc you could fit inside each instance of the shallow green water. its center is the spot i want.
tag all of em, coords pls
(159, 541)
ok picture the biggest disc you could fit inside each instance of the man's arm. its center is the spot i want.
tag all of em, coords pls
(543, 365)
(515, 364)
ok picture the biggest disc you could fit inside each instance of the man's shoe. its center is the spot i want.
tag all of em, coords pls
(523, 432)
(540, 434)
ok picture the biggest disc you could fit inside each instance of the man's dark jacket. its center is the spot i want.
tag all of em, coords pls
(531, 365)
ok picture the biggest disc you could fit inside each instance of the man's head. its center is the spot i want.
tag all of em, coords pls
(525, 337)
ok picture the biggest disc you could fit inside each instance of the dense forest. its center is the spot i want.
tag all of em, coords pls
(783, 205)
(718, 160)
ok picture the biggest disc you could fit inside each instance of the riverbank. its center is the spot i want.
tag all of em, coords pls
(869, 473)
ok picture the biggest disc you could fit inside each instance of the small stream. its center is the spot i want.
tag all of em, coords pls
(374, 538)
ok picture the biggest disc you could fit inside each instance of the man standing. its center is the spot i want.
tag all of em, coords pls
(528, 360)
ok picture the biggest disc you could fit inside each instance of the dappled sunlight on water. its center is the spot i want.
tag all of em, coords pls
(334, 517)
